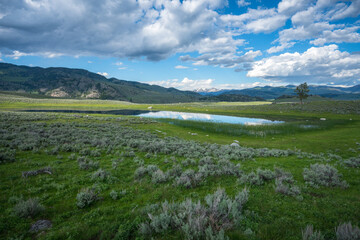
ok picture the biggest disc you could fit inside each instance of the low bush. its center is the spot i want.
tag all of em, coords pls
(188, 162)
(116, 162)
(87, 164)
(195, 220)
(175, 171)
(86, 197)
(323, 175)
(140, 172)
(138, 161)
(309, 234)
(95, 153)
(102, 176)
(257, 178)
(188, 179)
(7, 156)
(284, 184)
(117, 194)
(346, 231)
(284, 176)
(286, 188)
(158, 177)
(353, 162)
(28, 208)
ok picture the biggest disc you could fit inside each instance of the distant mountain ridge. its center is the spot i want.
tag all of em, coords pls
(268, 92)
(79, 83)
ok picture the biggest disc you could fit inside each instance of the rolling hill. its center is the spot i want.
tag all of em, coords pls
(79, 83)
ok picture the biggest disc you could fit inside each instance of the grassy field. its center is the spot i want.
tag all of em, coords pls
(122, 177)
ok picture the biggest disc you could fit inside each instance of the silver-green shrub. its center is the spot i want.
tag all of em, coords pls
(286, 188)
(251, 178)
(188, 162)
(7, 156)
(158, 177)
(150, 169)
(140, 172)
(265, 174)
(346, 231)
(102, 176)
(257, 178)
(87, 164)
(195, 220)
(188, 179)
(86, 197)
(309, 234)
(353, 162)
(323, 175)
(284, 184)
(28, 208)
(284, 176)
(175, 171)
(114, 194)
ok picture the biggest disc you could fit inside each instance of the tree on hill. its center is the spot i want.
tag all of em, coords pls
(302, 91)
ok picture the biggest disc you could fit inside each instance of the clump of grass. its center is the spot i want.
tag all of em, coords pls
(249, 130)
(28, 208)
(323, 175)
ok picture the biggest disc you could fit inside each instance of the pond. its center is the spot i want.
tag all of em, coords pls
(175, 115)
(208, 118)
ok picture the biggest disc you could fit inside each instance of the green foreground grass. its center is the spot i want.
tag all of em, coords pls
(268, 214)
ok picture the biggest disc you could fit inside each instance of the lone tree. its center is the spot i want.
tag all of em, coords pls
(302, 91)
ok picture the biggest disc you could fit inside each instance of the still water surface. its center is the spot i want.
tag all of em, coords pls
(208, 118)
(175, 115)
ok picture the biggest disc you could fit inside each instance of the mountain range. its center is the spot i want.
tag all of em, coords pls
(268, 92)
(79, 83)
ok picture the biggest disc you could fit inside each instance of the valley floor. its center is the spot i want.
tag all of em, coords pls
(118, 177)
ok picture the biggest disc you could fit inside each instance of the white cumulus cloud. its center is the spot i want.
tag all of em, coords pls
(243, 3)
(185, 84)
(316, 65)
(181, 67)
(105, 74)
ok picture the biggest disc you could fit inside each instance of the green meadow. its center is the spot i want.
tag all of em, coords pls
(101, 176)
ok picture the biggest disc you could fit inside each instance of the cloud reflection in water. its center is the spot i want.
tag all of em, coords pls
(208, 118)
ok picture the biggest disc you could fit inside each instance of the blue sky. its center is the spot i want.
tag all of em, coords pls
(189, 44)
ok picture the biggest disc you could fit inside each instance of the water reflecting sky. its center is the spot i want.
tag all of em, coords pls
(208, 118)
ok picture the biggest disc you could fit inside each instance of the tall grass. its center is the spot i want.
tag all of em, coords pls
(253, 130)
